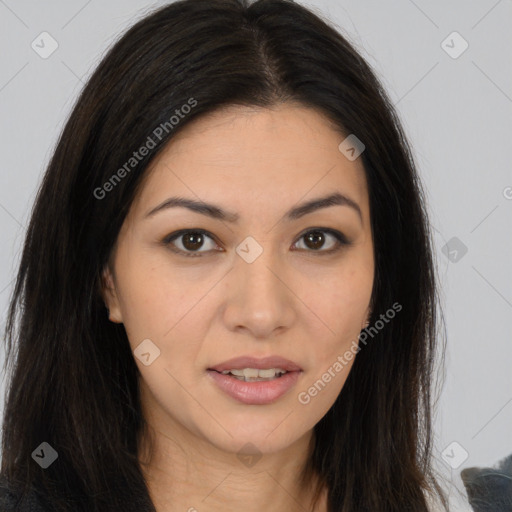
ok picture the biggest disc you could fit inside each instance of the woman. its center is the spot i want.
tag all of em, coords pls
(226, 297)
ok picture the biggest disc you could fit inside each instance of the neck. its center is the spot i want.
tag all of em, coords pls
(187, 473)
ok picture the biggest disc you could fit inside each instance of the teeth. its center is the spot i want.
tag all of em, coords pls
(271, 372)
(254, 373)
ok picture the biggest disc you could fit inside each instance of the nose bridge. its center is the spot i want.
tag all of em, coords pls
(261, 301)
(257, 266)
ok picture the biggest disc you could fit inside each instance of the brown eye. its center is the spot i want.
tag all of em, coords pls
(189, 242)
(193, 241)
(315, 240)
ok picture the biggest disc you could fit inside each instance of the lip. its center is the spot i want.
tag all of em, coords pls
(257, 392)
(239, 363)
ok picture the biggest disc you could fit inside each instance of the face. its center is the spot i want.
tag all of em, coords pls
(245, 277)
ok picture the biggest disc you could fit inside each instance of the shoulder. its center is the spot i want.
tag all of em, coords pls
(489, 488)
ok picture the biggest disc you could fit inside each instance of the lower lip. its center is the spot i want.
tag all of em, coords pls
(255, 393)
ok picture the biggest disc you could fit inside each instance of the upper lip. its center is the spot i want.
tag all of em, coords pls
(239, 363)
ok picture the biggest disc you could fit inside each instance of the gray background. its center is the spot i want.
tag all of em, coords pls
(456, 113)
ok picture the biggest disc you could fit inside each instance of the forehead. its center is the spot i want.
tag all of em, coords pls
(265, 156)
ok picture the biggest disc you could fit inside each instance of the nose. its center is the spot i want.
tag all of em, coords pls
(261, 299)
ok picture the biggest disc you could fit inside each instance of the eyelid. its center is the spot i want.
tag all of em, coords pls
(341, 239)
(167, 241)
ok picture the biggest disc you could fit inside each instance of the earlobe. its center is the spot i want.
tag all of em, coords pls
(367, 321)
(109, 294)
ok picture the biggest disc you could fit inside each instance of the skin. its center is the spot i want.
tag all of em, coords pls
(294, 300)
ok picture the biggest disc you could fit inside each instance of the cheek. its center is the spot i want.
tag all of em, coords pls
(145, 306)
(167, 307)
(151, 293)
(341, 304)
(322, 386)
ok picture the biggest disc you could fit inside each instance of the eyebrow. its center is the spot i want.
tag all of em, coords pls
(216, 212)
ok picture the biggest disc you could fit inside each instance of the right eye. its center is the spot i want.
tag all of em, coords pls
(189, 241)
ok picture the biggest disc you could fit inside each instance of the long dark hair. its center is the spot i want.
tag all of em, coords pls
(73, 382)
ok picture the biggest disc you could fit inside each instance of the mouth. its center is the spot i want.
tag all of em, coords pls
(250, 363)
(255, 374)
(255, 381)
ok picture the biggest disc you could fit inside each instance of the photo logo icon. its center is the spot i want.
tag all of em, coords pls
(44, 45)
(454, 249)
(454, 455)
(146, 352)
(454, 45)
(249, 250)
(351, 147)
(45, 455)
(249, 455)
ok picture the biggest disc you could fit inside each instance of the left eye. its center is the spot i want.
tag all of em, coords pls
(316, 238)
(192, 240)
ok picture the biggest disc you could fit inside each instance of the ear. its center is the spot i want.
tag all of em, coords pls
(110, 297)
(368, 316)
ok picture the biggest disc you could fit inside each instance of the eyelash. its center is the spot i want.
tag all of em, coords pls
(341, 240)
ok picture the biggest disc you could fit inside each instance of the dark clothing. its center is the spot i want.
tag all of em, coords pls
(490, 489)
(11, 501)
